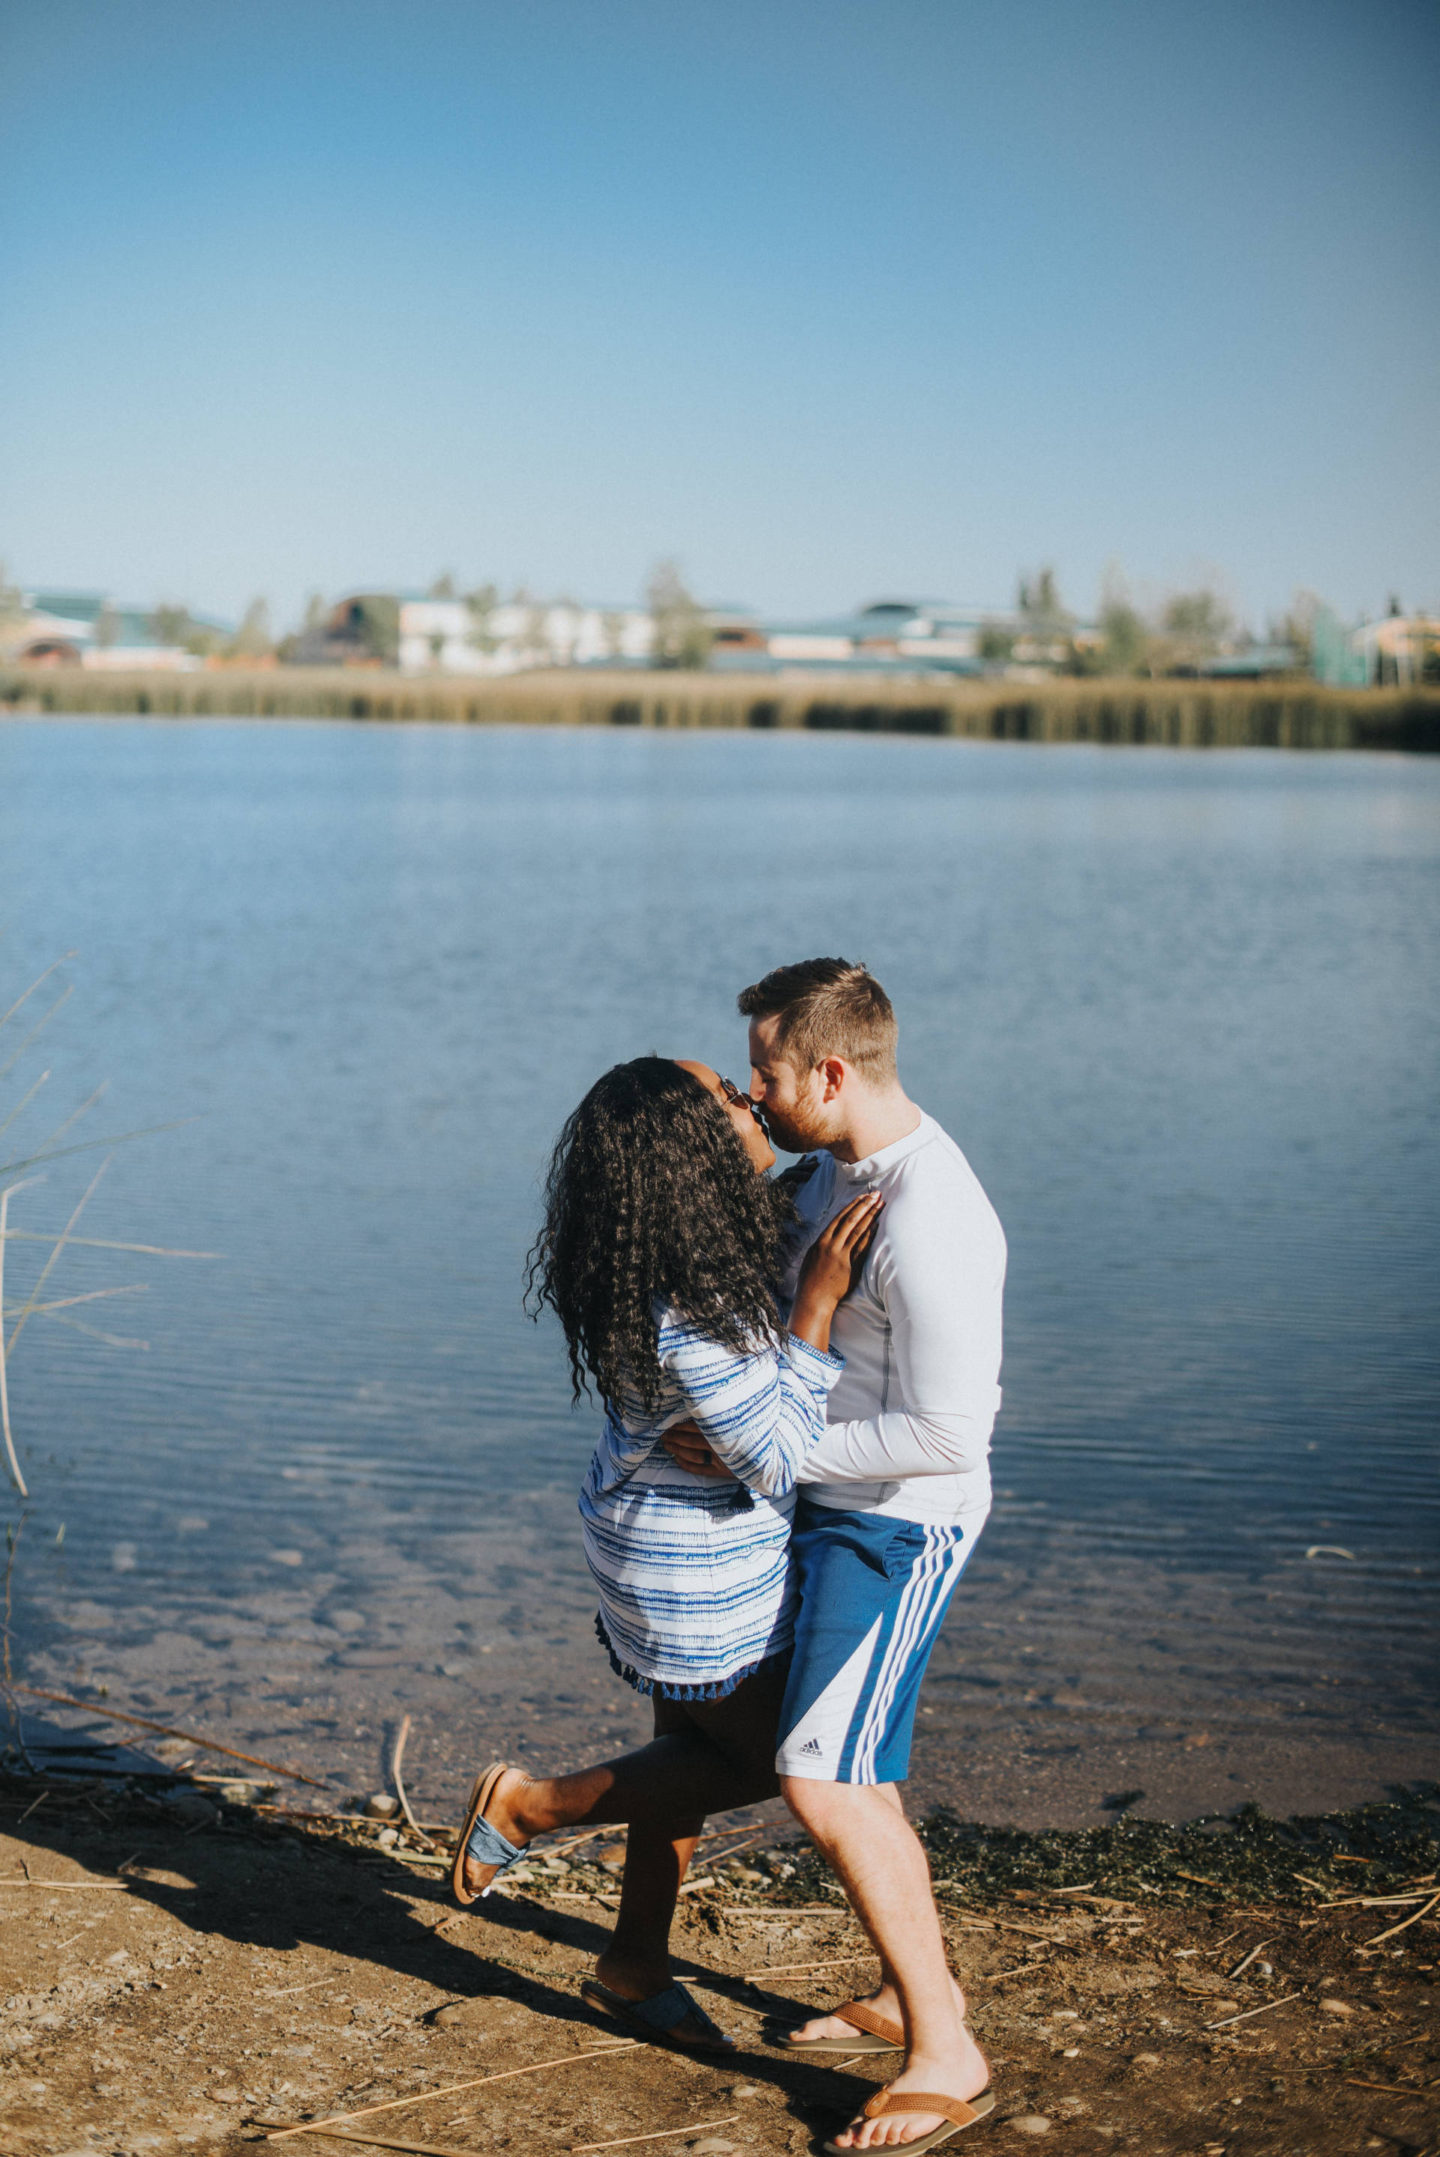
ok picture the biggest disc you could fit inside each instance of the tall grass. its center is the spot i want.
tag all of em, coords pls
(1175, 714)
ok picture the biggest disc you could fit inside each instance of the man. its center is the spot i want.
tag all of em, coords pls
(893, 1497)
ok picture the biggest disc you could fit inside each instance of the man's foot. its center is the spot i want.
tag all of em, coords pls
(885, 2001)
(505, 1813)
(963, 2074)
(636, 1981)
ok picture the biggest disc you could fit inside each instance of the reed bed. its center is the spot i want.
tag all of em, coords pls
(1171, 714)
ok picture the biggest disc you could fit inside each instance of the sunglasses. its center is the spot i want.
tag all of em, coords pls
(737, 1099)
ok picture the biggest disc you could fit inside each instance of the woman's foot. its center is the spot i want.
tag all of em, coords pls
(636, 1980)
(884, 2001)
(963, 2074)
(505, 1812)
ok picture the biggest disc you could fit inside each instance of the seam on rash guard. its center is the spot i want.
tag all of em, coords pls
(885, 1378)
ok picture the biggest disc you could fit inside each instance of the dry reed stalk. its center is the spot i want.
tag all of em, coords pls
(36, 1030)
(782, 1910)
(1246, 1960)
(395, 1758)
(70, 1887)
(121, 1138)
(382, 2142)
(11, 1460)
(24, 1102)
(63, 960)
(450, 2089)
(661, 2134)
(27, 1309)
(1392, 2089)
(1374, 1902)
(793, 1969)
(7, 1683)
(1251, 2012)
(109, 1243)
(1405, 1924)
(168, 1730)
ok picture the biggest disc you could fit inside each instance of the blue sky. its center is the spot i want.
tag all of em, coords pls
(829, 300)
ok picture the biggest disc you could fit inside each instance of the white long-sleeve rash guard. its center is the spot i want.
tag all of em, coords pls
(912, 1413)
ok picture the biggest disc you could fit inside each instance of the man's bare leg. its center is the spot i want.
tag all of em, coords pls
(877, 1855)
(885, 1999)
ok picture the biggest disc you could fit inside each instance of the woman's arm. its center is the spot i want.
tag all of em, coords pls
(761, 1414)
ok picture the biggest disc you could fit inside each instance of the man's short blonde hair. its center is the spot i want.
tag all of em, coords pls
(827, 1007)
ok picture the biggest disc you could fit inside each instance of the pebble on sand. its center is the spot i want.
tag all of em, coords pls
(1336, 2007)
(1029, 2123)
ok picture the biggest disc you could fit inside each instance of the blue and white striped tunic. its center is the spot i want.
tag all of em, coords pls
(693, 1575)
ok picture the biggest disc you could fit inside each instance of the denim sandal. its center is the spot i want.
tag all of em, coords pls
(481, 1841)
(656, 2019)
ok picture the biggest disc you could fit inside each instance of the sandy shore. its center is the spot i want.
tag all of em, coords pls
(182, 1974)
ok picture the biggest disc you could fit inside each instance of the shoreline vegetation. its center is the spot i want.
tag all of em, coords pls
(189, 1970)
(1169, 713)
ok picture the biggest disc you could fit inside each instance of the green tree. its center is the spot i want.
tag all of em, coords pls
(252, 640)
(682, 636)
(170, 624)
(379, 617)
(996, 644)
(443, 587)
(482, 603)
(1046, 619)
(12, 604)
(1296, 627)
(1194, 626)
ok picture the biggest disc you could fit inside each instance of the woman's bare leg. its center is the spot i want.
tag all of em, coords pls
(706, 1756)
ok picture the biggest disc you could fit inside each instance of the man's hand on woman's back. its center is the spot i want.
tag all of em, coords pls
(689, 1450)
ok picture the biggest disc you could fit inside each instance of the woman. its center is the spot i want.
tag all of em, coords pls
(660, 1255)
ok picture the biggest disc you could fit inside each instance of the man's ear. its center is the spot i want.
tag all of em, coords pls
(832, 1076)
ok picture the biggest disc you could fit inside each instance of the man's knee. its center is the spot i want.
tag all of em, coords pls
(825, 1807)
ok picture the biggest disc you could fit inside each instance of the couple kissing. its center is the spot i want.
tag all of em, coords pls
(799, 1378)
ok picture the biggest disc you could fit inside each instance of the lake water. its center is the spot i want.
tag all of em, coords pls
(1179, 1009)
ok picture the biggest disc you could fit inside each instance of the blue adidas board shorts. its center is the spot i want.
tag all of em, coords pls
(872, 1593)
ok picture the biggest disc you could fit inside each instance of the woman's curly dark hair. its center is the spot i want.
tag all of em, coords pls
(651, 1199)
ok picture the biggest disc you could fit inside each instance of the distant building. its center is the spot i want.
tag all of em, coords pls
(451, 636)
(88, 629)
(899, 636)
(1396, 651)
(1252, 663)
(361, 631)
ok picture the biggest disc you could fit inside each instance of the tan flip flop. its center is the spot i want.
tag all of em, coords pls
(956, 2113)
(493, 1848)
(883, 2034)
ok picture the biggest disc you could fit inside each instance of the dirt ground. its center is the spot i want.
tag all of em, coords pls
(182, 1974)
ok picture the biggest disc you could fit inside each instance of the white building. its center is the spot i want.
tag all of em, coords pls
(450, 636)
(87, 629)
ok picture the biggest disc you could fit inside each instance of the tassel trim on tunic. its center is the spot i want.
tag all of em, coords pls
(661, 1689)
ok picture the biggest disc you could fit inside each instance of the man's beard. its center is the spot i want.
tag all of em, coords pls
(791, 1137)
